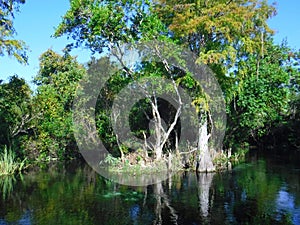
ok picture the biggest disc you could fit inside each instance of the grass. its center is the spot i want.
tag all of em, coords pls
(222, 160)
(116, 165)
(9, 164)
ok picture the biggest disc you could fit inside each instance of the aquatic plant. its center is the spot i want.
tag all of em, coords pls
(9, 163)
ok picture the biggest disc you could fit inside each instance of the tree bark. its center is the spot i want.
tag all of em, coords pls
(204, 161)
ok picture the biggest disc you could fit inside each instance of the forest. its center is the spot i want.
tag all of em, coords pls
(258, 79)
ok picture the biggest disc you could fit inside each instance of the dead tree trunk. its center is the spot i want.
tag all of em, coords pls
(162, 131)
(204, 158)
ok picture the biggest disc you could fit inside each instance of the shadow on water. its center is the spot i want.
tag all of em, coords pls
(258, 192)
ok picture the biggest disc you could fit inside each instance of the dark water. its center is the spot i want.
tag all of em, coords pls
(258, 192)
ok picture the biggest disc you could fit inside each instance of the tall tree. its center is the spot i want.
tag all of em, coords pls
(8, 44)
(100, 25)
(103, 25)
(233, 38)
(220, 32)
(15, 111)
(262, 100)
(57, 80)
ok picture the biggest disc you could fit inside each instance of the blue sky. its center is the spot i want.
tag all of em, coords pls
(37, 19)
(35, 23)
(287, 22)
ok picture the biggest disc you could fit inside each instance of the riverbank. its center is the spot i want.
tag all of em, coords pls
(133, 163)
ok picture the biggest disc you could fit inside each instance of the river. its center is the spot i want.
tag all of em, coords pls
(263, 190)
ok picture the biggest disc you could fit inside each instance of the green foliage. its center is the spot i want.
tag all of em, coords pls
(112, 161)
(7, 185)
(220, 32)
(233, 38)
(138, 164)
(101, 24)
(9, 163)
(285, 132)
(117, 81)
(260, 80)
(223, 160)
(57, 81)
(15, 112)
(9, 45)
(114, 85)
(262, 94)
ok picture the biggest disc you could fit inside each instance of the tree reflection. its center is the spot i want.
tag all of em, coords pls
(162, 200)
(204, 182)
(249, 194)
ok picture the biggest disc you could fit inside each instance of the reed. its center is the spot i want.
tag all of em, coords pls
(9, 163)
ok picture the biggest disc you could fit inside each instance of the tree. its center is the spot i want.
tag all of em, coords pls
(9, 45)
(150, 108)
(282, 133)
(96, 69)
(220, 32)
(263, 96)
(123, 21)
(233, 38)
(100, 25)
(223, 35)
(15, 111)
(57, 80)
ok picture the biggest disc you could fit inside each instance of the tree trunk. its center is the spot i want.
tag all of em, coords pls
(204, 160)
(158, 153)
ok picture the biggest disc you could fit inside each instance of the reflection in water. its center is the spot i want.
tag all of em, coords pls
(162, 201)
(24, 220)
(259, 192)
(134, 213)
(285, 202)
(204, 184)
(7, 185)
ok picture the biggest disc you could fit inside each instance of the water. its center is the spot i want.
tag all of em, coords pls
(261, 191)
